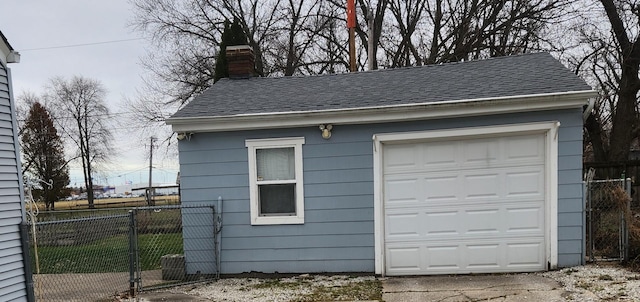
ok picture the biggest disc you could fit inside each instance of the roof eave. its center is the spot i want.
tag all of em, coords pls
(421, 111)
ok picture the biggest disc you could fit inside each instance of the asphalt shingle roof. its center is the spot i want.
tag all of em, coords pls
(526, 74)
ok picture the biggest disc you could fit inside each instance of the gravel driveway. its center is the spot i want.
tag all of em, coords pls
(605, 282)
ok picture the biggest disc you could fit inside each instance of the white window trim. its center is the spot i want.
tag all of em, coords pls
(550, 129)
(289, 142)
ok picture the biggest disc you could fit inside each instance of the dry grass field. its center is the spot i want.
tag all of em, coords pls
(83, 204)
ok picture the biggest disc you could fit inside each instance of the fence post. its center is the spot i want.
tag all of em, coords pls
(132, 253)
(24, 236)
(584, 223)
(627, 188)
(590, 220)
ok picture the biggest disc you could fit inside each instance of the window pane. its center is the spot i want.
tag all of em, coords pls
(275, 164)
(277, 199)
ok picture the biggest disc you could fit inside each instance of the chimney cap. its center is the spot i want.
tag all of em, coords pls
(239, 47)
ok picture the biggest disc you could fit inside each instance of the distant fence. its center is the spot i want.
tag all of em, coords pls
(102, 255)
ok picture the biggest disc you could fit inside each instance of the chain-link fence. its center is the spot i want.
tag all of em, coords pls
(102, 255)
(607, 212)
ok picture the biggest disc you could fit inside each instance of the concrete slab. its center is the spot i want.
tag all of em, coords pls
(87, 287)
(507, 287)
(163, 296)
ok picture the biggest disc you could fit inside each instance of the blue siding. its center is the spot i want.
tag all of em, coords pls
(12, 272)
(338, 233)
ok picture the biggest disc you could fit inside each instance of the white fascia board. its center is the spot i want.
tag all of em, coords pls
(4, 53)
(421, 111)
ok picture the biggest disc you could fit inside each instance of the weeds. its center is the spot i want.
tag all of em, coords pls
(314, 289)
(365, 290)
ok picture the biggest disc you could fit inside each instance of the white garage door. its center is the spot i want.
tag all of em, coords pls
(465, 205)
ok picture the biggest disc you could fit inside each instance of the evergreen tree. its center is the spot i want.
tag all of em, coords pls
(43, 154)
(231, 36)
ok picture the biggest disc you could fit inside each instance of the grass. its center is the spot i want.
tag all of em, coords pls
(153, 246)
(107, 255)
(584, 285)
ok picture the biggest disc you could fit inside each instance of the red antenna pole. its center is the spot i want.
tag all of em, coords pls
(351, 25)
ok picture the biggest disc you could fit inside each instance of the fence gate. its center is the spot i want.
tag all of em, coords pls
(79, 259)
(102, 255)
(608, 209)
(158, 240)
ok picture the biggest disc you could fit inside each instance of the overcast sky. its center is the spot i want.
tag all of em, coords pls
(41, 29)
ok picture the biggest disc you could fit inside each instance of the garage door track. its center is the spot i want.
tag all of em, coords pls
(507, 287)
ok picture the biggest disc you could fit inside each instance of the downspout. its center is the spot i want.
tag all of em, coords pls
(217, 229)
(587, 111)
(585, 187)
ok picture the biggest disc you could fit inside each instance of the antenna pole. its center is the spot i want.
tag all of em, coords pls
(351, 24)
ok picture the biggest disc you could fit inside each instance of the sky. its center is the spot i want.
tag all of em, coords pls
(88, 38)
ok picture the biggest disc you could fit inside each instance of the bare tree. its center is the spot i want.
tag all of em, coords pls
(609, 57)
(186, 35)
(309, 37)
(82, 117)
(624, 17)
(436, 31)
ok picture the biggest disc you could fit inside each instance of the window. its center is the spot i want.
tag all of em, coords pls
(275, 179)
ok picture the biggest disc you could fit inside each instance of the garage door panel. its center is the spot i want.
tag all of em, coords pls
(440, 189)
(529, 254)
(404, 258)
(402, 157)
(481, 186)
(519, 183)
(403, 190)
(442, 257)
(403, 225)
(465, 206)
(475, 153)
(485, 221)
(481, 151)
(525, 182)
(525, 219)
(527, 147)
(482, 222)
(441, 223)
(439, 155)
(483, 256)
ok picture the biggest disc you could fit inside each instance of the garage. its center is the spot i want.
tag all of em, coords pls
(456, 203)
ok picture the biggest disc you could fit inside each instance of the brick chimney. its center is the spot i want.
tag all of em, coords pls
(241, 61)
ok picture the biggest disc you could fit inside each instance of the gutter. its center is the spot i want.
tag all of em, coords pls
(390, 113)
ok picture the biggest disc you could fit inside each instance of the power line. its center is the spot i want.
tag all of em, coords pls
(80, 45)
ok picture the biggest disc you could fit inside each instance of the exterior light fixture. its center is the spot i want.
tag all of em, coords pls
(326, 131)
(183, 135)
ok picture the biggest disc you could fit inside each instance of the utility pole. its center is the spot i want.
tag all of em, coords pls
(150, 192)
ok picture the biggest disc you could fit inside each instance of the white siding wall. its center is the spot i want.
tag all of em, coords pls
(12, 273)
